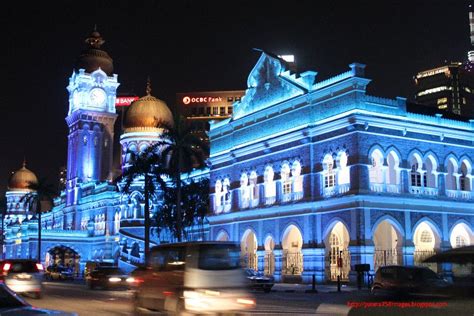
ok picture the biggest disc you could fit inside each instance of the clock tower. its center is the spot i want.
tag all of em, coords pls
(92, 90)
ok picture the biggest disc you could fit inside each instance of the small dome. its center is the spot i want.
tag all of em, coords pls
(147, 114)
(22, 179)
(93, 58)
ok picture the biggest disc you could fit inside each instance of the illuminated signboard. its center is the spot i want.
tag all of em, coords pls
(189, 100)
(124, 101)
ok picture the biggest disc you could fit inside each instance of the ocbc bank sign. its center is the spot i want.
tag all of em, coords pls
(189, 100)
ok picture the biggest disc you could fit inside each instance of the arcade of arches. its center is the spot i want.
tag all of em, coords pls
(390, 247)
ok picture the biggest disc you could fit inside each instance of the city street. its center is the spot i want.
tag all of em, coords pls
(77, 298)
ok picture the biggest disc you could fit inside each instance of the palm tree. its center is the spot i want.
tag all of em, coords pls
(182, 151)
(145, 164)
(41, 191)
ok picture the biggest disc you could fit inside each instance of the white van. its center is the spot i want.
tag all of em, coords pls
(194, 277)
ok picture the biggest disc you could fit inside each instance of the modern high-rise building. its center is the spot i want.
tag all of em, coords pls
(449, 87)
(200, 108)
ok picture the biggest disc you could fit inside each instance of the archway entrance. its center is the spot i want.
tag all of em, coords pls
(426, 245)
(388, 245)
(248, 248)
(461, 236)
(269, 261)
(292, 259)
(63, 256)
(338, 259)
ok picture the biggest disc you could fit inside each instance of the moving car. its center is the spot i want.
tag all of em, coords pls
(259, 281)
(92, 265)
(193, 277)
(59, 273)
(108, 278)
(23, 276)
(409, 280)
(13, 305)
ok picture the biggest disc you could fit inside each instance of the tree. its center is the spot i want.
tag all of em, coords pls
(41, 191)
(182, 151)
(145, 164)
(194, 208)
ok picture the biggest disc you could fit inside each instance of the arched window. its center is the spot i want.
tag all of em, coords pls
(392, 171)
(376, 168)
(465, 178)
(430, 172)
(244, 191)
(451, 183)
(285, 179)
(460, 241)
(227, 194)
(269, 184)
(297, 179)
(329, 172)
(253, 188)
(343, 176)
(218, 197)
(416, 171)
(426, 237)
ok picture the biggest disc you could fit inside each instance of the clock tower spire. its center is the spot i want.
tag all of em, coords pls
(91, 117)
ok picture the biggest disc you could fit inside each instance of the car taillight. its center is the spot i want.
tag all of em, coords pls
(39, 266)
(6, 267)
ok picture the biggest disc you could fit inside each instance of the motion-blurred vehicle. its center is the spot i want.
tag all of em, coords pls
(59, 273)
(409, 280)
(109, 278)
(194, 277)
(13, 305)
(23, 276)
(259, 281)
(92, 265)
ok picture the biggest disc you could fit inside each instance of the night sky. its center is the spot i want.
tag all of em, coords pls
(201, 46)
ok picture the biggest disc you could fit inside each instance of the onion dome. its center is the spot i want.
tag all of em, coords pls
(93, 58)
(147, 114)
(22, 179)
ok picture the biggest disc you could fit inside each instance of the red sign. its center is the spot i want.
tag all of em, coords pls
(124, 101)
(188, 100)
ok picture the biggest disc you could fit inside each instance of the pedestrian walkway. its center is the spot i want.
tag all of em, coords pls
(306, 288)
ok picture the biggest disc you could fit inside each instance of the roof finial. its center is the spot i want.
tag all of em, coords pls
(95, 40)
(24, 162)
(148, 86)
(95, 27)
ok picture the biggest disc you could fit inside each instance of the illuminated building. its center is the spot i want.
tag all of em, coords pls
(313, 177)
(91, 220)
(310, 177)
(450, 87)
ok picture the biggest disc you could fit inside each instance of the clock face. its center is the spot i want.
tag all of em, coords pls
(97, 97)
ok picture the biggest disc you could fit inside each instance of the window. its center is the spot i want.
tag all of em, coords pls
(230, 99)
(269, 184)
(237, 99)
(168, 259)
(218, 197)
(215, 110)
(222, 110)
(201, 110)
(193, 111)
(285, 179)
(343, 174)
(226, 191)
(330, 174)
(297, 177)
(426, 237)
(460, 241)
(208, 110)
(376, 168)
(253, 186)
(229, 110)
(415, 176)
(244, 190)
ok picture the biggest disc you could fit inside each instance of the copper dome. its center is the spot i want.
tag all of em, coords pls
(147, 114)
(22, 179)
(93, 57)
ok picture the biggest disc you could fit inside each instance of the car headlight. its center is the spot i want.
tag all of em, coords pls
(130, 280)
(114, 279)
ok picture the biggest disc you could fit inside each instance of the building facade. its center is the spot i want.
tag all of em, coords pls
(91, 220)
(314, 177)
